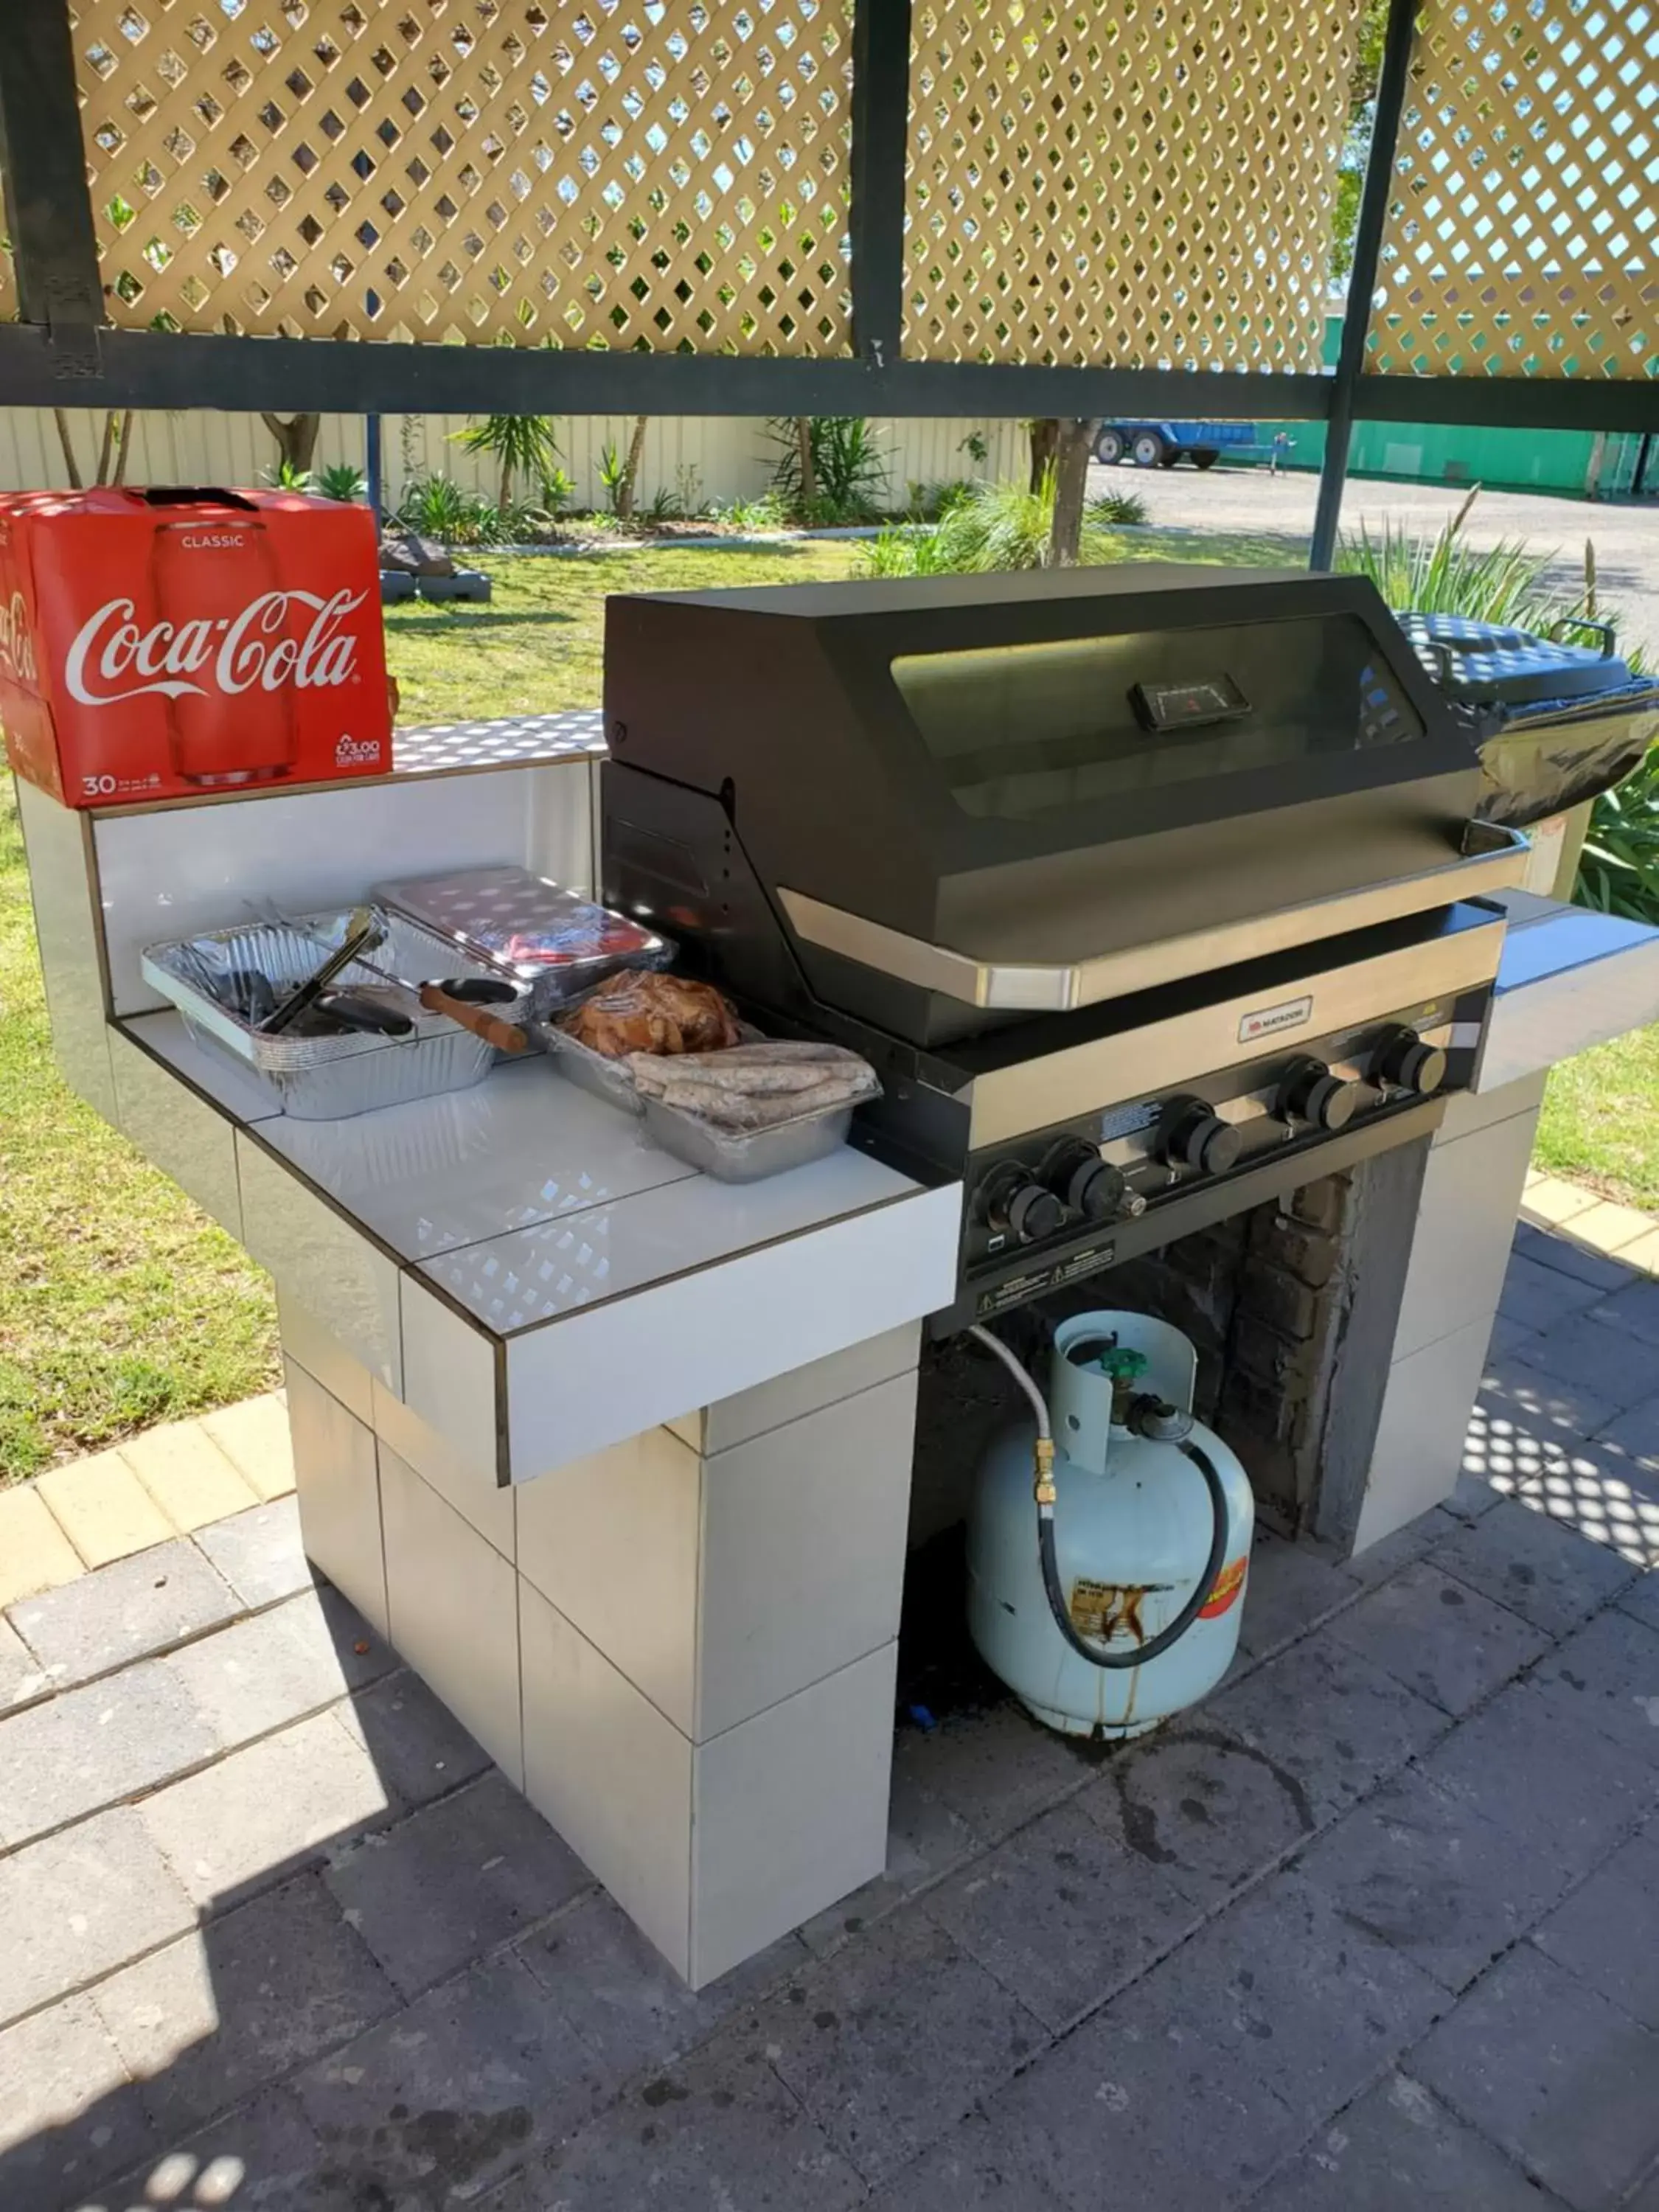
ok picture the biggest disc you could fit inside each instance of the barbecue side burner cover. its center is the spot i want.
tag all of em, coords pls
(1030, 770)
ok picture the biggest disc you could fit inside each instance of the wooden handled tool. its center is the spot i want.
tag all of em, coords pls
(506, 1036)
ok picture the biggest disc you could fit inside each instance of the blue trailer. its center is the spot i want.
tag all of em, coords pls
(1161, 445)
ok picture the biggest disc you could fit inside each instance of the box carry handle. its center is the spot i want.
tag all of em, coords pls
(195, 495)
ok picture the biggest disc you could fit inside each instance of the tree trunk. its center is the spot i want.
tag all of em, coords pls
(1044, 434)
(1073, 445)
(106, 449)
(809, 475)
(630, 478)
(71, 465)
(505, 500)
(122, 447)
(297, 438)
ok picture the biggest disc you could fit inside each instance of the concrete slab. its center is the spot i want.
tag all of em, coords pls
(81, 1904)
(1546, 1573)
(1398, 2145)
(454, 1881)
(1063, 1915)
(129, 1610)
(259, 1552)
(1210, 1811)
(891, 2041)
(1441, 1639)
(95, 1745)
(1554, 2075)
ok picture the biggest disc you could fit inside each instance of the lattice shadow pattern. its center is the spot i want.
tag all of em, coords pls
(1136, 183)
(617, 173)
(1523, 235)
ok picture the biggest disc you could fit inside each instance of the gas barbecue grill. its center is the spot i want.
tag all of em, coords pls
(1151, 892)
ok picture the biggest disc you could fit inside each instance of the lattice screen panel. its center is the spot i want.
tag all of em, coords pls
(1523, 236)
(1140, 183)
(656, 175)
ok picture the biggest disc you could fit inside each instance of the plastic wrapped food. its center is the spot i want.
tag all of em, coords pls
(557, 944)
(654, 1014)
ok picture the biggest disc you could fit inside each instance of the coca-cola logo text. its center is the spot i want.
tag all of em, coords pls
(16, 645)
(113, 659)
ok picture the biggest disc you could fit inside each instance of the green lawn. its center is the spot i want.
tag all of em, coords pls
(120, 1305)
(1601, 1120)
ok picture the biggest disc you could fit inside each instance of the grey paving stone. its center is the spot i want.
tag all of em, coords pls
(262, 2158)
(68, 2115)
(124, 1611)
(262, 1814)
(629, 2007)
(1144, 2109)
(1589, 1355)
(1606, 1932)
(925, 1840)
(993, 1769)
(1553, 1406)
(1290, 1587)
(723, 2131)
(281, 1665)
(1063, 1915)
(79, 1903)
(418, 1748)
(1578, 1261)
(1329, 1721)
(453, 1881)
(1509, 1339)
(970, 2170)
(1602, 1495)
(1208, 1809)
(1555, 2075)
(1307, 2001)
(1546, 1573)
(1633, 1309)
(1398, 2146)
(1509, 1443)
(1635, 1433)
(1447, 1643)
(1474, 1495)
(1608, 1674)
(22, 1676)
(1424, 1871)
(891, 2041)
(449, 2094)
(1385, 1558)
(1563, 1790)
(95, 1745)
(1541, 1298)
(1646, 2198)
(258, 1991)
(1641, 1600)
(259, 1552)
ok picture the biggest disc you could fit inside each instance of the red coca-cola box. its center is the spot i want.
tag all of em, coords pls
(157, 643)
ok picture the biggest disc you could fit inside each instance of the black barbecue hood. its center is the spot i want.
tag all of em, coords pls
(1029, 792)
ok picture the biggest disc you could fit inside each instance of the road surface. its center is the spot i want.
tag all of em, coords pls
(1279, 510)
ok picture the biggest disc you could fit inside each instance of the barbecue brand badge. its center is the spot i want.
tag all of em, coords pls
(1268, 1021)
(1226, 1590)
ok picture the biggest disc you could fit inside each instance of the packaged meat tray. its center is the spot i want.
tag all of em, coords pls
(547, 940)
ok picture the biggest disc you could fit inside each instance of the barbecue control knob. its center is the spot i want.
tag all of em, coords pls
(1310, 1093)
(1195, 1137)
(1089, 1185)
(1033, 1211)
(1019, 1206)
(1404, 1061)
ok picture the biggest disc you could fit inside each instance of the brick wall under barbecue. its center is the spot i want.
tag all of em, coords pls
(1266, 1299)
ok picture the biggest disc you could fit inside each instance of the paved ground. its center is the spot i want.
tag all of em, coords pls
(1279, 510)
(1379, 1925)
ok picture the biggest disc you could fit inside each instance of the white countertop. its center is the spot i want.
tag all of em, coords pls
(521, 1264)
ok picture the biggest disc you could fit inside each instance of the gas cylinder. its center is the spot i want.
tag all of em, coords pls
(1134, 1524)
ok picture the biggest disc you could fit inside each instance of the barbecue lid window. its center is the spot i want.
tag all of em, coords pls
(1024, 731)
